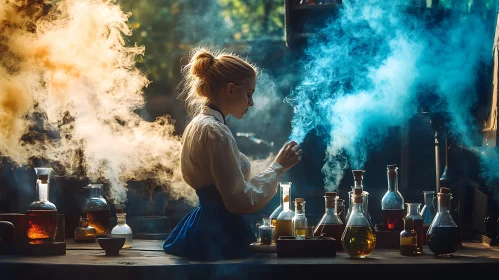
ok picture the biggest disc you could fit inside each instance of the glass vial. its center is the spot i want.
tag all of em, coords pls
(97, 209)
(408, 238)
(284, 223)
(299, 221)
(84, 232)
(392, 203)
(358, 239)
(266, 232)
(428, 212)
(122, 229)
(42, 214)
(444, 236)
(331, 224)
(278, 210)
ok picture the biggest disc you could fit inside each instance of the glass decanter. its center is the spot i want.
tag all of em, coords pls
(278, 210)
(84, 232)
(392, 203)
(284, 223)
(42, 214)
(122, 229)
(428, 211)
(97, 209)
(358, 239)
(330, 224)
(408, 238)
(417, 223)
(444, 236)
(266, 232)
(299, 221)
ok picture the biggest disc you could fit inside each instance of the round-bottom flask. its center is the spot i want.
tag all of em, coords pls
(122, 229)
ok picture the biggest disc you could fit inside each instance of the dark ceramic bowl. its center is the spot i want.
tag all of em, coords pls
(112, 245)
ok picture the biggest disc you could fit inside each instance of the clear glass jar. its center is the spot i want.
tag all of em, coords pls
(284, 223)
(359, 238)
(299, 221)
(122, 229)
(278, 210)
(408, 238)
(266, 232)
(392, 203)
(417, 223)
(331, 224)
(84, 232)
(444, 236)
(97, 209)
(42, 214)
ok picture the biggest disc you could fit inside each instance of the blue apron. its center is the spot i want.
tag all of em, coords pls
(209, 232)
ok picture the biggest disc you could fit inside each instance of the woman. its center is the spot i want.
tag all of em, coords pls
(218, 85)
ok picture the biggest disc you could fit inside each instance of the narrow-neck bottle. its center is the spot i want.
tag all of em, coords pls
(358, 239)
(330, 224)
(408, 238)
(98, 210)
(392, 203)
(122, 229)
(84, 232)
(358, 184)
(284, 226)
(278, 210)
(299, 220)
(444, 236)
(417, 223)
(42, 214)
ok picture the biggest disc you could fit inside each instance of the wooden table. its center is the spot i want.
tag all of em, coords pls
(146, 260)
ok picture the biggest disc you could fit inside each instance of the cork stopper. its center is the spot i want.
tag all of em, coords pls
(357, 191)
(357, 198)
(299, 203)
(357, 174)
(391, 167)
(331, 194)
(119, 210)
(444, 190)
(340, 200)
(330, 199)
(444, 197)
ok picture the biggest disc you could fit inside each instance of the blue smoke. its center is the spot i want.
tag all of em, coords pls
(368, 70)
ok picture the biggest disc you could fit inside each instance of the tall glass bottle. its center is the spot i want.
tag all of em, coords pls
(428, 211)
(417, 221)
(299, 221)
(42, 214)
(392, 203)
(331, 224)
(84, 232)
(444, 236)
(358, 239)
(98, 210)
(284, 224)
(122, 229)
(358, 184)
(408, 238)
(278, 210)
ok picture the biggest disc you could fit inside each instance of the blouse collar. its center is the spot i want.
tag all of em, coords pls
(212, 110)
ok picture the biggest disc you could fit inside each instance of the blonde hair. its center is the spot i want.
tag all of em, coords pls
(209, 71)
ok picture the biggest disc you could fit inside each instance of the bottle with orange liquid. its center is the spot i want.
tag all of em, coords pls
(98, 210)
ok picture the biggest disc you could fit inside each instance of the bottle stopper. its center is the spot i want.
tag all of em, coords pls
(357, 174)
(119, 210)
(331, 195)
(444, 190)
(357, 191)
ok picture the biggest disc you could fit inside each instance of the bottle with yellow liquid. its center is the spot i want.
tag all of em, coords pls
(358, 239)
(284, 225)
(278, 210)
(299, 220)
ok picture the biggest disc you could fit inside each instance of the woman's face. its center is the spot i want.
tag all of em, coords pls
(241, 97)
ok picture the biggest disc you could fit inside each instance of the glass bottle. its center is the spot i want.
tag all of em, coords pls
(417, 223)
(278, 210)
(122, 229)
(340, 209)
(428, 212)
(444, 236)
(330, 224)
(42, 214)
(299, 221)
(408, 238)
(84, 232)
(98, 210)
(266, 232)
(392, 203)
(358, 179)
(358, 239)
(284, 223)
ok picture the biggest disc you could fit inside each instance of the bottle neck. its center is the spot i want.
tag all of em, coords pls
(392, 181)
(300, 209)
(42, 188)
(428, 199)
(412, 209)
(95, 192)
(121, 218)
(286, 199)
(83, 222)
(358, 184)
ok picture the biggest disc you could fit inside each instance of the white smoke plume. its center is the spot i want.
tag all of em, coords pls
(65, 65)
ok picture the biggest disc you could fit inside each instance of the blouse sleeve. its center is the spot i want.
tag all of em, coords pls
(223, 160)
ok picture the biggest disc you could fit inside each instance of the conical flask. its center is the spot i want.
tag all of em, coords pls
(444, 236)
(330, 224)
(42, 214)
(284, 224)
(278, 210)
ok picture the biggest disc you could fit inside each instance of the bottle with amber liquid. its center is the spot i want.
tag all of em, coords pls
(299, 221)
(98, 210)
(358, 239)
(42, 214)
(331, 224)
(84, 232)
(417, 220)
(278, 210)
(444, 236)
(408, 238)
(392, 203)
(358, 176)
(284, 223)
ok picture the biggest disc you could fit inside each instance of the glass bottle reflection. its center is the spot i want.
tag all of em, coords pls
(42, 214)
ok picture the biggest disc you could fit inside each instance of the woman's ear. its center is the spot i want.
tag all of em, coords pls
(229, 89)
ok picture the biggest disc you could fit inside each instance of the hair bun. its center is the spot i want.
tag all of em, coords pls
(201, 63)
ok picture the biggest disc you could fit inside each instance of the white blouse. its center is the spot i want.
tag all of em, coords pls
(210, 157)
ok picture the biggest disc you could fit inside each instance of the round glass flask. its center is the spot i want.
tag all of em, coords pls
(122, 229)
(42, 214)
(97, 209)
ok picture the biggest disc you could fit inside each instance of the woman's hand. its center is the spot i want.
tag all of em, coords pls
(289, 155)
